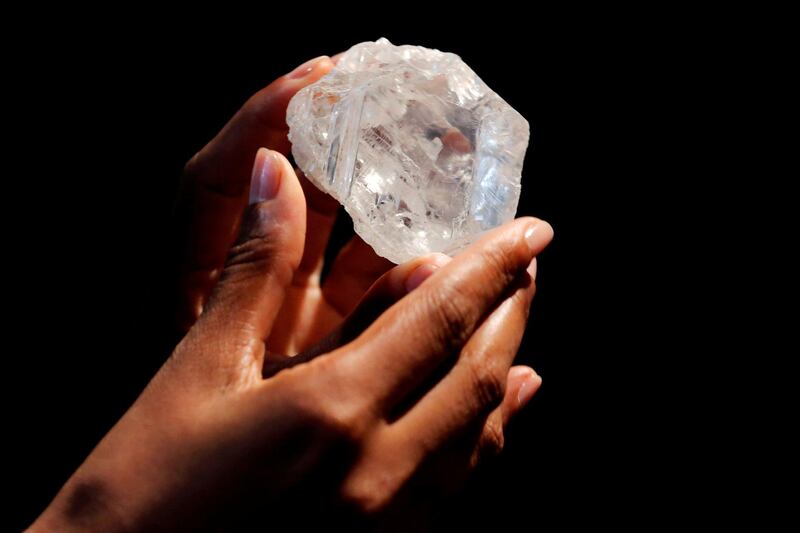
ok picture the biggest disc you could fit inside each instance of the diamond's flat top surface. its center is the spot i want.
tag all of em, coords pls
(421, 153)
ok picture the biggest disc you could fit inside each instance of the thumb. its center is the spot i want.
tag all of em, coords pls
(262, 262)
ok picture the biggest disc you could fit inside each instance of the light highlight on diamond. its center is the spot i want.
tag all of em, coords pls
(421, 153)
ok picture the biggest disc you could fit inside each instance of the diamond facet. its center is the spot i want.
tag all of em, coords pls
(421, 153)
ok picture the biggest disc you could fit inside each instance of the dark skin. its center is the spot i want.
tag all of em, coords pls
(400, 375)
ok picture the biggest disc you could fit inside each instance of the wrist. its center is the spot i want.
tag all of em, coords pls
(83, 505)
(117, 487)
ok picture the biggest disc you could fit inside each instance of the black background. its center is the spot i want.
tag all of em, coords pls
(112, 114)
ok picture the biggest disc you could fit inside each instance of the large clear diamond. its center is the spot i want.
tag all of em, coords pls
(421, 153)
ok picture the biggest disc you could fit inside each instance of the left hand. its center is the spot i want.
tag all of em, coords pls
(214, 193)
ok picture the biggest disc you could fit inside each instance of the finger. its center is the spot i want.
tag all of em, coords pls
(261, 264)
(215, 185)
(321, 214)
(385, 292)
(423, 478)
(446, 468)
(224, 162)
(295, 328)
(476, 384)
(522, 383)
(354, 271)
(435, 321)
(322, 211)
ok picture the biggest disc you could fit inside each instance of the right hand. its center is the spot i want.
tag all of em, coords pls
(407, 393)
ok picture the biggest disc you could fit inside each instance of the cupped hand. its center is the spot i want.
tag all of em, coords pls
(215, 190)
(403, 396)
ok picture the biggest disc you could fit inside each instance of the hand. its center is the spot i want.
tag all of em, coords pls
(213, 196)
(400, 381)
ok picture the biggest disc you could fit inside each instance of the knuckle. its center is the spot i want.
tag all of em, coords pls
(343, 421)
(459, 302)
(259, 224)
(492, 440)
(504, 260)
(252, 249)
(259, 248)
(453, 314)
(488, 381)
(371, 490)
(339, 413)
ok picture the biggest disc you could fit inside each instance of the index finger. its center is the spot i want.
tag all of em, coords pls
(408, 342)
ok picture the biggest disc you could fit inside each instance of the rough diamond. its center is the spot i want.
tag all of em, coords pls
(421, 153)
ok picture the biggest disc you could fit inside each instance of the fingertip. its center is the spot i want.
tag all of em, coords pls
(279, 158)
(521, 384)
(290, 185)
(517, 374)
(419, 275)
(266, 176)
(538, 235)
(311, 67)
(430, 264)
(324, 66)
(286, 170)
(437, 258)
(530, 385)
(269, 104)
(275, 195)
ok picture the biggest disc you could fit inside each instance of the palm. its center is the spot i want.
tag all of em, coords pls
(213, 197)
(312, 309)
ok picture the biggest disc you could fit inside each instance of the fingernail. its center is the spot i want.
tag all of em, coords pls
(266, 178)
(528, 389)
(519, 373)
(538, 236)
(420, 274)
(432, 263)
(303, 70)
